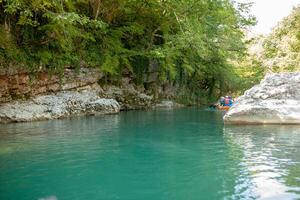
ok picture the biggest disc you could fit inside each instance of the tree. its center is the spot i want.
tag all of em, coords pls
(192, 40)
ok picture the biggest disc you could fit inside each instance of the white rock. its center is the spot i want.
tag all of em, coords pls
(49, 198)
(276, 100)
(167, 104)
(62, 104)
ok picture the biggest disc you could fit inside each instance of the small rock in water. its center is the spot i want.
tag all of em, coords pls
(49, 198)
(167, 104)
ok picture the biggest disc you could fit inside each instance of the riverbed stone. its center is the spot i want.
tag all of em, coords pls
(53, 106)
(276, 100)
(168, 104)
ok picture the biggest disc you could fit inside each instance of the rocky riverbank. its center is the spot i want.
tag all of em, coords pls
(276, 100)
(43, 96)
(60, 105)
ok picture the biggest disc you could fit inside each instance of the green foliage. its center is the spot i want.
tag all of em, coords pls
(282, 46)
(191, 40)
(276, 52)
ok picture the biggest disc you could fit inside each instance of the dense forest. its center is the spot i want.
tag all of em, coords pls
(195, 43)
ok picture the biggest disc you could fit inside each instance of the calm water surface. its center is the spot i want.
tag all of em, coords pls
(182, 154)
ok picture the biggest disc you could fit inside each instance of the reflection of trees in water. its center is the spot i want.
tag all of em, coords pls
(270, 164)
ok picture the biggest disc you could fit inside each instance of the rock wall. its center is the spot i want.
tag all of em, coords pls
(26, 96)
(276, 100)
(129, 96)
(20, 84)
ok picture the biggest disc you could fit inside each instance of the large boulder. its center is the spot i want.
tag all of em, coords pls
(276, 100)
(62, 104)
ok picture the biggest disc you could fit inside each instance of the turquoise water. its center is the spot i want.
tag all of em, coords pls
(181, 154)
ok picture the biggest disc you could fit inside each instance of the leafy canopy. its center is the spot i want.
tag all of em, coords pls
(192, 40)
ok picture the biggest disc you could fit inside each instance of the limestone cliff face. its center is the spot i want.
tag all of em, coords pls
(20, 84)
(28, 96)
(276, 100)
(129, 96)
(36, 96)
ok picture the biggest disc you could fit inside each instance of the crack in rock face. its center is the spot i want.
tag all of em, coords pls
(276, 100)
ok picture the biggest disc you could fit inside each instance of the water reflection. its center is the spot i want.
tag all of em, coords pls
(270, 161)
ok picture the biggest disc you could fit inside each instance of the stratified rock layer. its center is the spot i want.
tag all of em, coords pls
(16, 84)
(54, 106)
(276, 100)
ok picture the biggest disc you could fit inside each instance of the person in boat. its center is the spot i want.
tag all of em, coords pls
(222, 101)
(228, 101)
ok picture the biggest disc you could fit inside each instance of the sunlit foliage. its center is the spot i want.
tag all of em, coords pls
(192, 40)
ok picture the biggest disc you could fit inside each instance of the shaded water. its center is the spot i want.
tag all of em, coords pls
(168, 154)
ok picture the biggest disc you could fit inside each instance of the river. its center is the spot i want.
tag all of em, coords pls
(180, 154)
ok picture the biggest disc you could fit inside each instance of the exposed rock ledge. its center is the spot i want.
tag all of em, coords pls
(168, 104)
(276, 100)
(62, 104)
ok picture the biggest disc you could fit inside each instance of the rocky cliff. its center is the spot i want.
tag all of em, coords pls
(26, 96)
(276, 100)
(16, 84)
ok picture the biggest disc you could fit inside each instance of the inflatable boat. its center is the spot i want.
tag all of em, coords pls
(223, 107)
